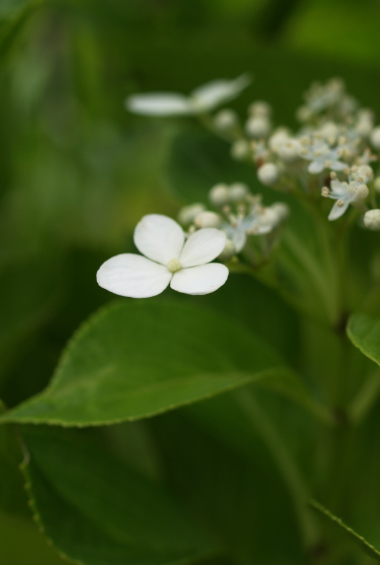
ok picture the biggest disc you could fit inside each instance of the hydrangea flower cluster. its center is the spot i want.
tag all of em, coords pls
(332, 154)
(237, 212)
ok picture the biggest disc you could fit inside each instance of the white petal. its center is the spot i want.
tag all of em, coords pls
(239, 239)
(159, 238)
(134, 276)
(202, 247)
(159, 104)
(216, 92)
(338, 211)
(316, 167)
(338, 166)
(200, 280)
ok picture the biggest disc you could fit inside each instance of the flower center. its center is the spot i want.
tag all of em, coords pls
(174, 265)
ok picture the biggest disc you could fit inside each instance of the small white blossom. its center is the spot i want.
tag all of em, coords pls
(321, 156)
(168, 260)
(345, 194)
(372, 220)
(201, 100)
(268, 174)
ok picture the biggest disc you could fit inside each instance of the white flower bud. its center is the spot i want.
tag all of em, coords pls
(280, 136)
(268, 174)
(207, 220)
(365, 172)
(376, 184)
(238, 191)
(226, 120)
(228, 252)
(187, 214)
(289, 150)
(375, 138)
(260, 108)
(219, 195)
(361, 193)
(329, 130)
(258, 126)
(240, 150)
(372, 220)
(281, 210)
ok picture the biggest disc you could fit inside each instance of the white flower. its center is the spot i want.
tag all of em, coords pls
(345, 194)
(321, 156)
(168, 260)
(200, 100)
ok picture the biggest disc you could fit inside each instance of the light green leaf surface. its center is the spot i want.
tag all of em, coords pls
(98, 511)
(137, 359)
(364, 332)
(360, 540)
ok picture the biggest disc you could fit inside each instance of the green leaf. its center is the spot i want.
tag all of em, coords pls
(364, 332)
(360, 540)
(137, 359)
(96, 510)
(12, 494)
(241, 499)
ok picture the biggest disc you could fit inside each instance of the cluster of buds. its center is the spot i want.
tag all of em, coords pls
(237, 212)
(337, 144)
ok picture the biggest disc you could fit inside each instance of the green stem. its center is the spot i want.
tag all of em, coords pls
(286, 465)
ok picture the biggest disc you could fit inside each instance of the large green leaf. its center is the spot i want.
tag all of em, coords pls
(364, 332)
(137, 359)
(357, 538)
(12, 495)
(99, 511)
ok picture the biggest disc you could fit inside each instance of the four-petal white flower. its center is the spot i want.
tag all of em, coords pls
(345, 194)
(201, 100)
(321, 156)
(169, 259)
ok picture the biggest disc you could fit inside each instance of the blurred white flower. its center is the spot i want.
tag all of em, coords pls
(345, 194)
(321, 155)
(168, 260)
(201, 100)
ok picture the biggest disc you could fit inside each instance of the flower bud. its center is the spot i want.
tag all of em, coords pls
(240, 150)
(361, 193)
(372, 220)
(281, 210)
(187, 214)
(268, 174)
(375, 138)
(238, 191)
(258, 126)
(260, 108)
(207, 220)
(376, 184)
(226, 120)
(219, 195)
